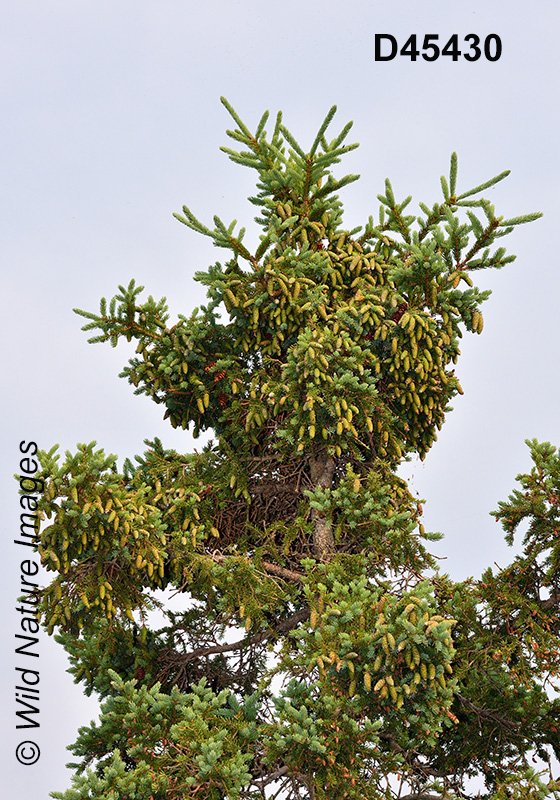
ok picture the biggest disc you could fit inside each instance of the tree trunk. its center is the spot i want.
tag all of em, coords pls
(322, 473)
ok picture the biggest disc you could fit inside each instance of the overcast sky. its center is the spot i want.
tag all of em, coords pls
(111, 121)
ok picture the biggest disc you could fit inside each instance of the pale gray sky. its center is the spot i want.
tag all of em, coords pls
(112, 120)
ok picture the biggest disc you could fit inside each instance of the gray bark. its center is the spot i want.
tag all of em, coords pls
(322, 474)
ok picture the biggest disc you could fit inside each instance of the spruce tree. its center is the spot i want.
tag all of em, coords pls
(318, 653)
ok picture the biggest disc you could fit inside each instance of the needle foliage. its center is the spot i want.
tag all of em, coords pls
(318, 652)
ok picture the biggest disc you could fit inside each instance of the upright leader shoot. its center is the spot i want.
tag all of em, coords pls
(322, 359)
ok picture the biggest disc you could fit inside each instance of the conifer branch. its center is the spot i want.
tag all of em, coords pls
(481, 187)
(321, 132)
(316, 372)
(280, 628)
(233, 114)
